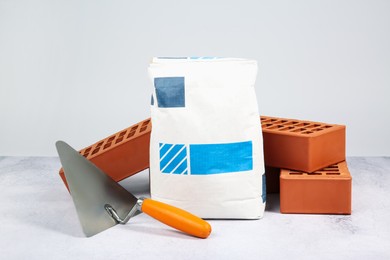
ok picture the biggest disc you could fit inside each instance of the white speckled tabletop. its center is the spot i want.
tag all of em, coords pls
(38, 221)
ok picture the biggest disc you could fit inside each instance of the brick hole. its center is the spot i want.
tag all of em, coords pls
(143, 129)
(291, 123)
(119, 139)
(307, 132)
(263, 118)
(283, 121)
(268, 125)
(88, 150)
(131, 134)
(273, 119)
(289, 128)
(333, 173)
(295, 173)
(122, 133)
(106, 145)
(145, 123)
(96, 150)
(275, 127)
(110, 139)
(299, 130)
(86, 155)
(316, 129)
(314, 173)
(326, 126)
(134, 128)
(99, 144)
(331, 168)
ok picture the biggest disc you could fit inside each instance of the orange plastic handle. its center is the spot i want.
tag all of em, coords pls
(176, 218)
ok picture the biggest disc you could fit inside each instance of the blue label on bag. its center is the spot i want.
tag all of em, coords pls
(220, 158)
(170, 92)
(206, 159)
(173, 158)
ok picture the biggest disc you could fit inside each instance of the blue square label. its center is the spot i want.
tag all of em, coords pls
(170, 92)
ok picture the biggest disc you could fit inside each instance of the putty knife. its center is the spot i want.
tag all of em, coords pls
(102, 203)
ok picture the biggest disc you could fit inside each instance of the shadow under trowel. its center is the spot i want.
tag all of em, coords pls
(160, 230)
(54, 213)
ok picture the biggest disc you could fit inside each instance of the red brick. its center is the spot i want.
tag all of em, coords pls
(302, 145)
(122, 154)
(327, 191)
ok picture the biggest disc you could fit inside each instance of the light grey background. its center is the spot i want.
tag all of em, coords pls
(77, 70)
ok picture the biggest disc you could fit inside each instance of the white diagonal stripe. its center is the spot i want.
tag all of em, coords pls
(162, 146)
(167, 152)
(173, 158)
(185, 157)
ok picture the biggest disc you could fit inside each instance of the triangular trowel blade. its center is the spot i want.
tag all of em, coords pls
(91, 190)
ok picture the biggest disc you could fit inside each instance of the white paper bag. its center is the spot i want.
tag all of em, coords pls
(206, 150)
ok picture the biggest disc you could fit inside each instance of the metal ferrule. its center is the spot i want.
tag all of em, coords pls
(132, 212)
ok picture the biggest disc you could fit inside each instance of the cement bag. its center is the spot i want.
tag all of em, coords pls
(206, 142)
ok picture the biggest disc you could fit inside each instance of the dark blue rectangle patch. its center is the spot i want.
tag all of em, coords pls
(170, 92)
(220, 158)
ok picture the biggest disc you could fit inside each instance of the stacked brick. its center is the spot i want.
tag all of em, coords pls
(306, 158)
(326, 191)
(310, 159)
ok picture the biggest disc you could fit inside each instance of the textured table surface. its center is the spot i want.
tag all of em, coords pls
(38, 221)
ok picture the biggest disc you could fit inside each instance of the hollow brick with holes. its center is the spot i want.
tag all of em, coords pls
(287, 144)
(302, 145)
(326, 191)
(122, 154)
